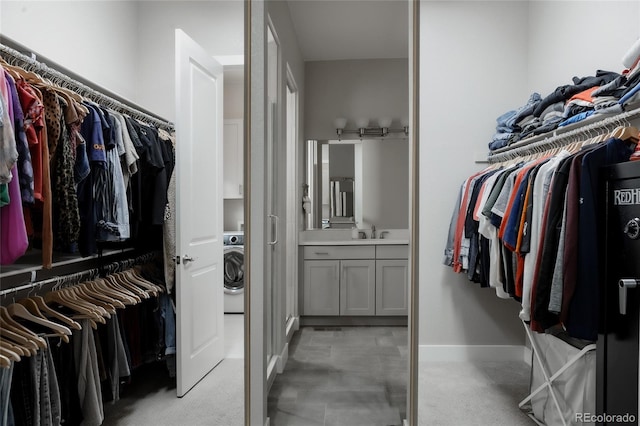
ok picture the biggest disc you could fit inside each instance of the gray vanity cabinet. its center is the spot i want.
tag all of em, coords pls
(321, 287)
(392, 280)
(355, 280)
(339, 280)
(357, 287)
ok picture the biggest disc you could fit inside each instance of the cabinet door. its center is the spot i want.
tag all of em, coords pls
(357, 287)
(233, 159)
(321, 287)
(392, 287)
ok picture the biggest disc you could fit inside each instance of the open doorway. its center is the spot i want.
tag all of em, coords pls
(318, 124)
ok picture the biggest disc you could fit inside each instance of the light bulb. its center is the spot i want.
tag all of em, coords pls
(362, 123)
(385, 122)
(404, 122)
(340, 123)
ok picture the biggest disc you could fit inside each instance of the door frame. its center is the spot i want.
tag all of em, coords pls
(255, 241)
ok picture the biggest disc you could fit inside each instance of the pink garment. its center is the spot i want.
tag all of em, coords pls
(13, 233)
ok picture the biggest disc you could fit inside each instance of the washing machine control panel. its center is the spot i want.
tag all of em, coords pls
(233, 239)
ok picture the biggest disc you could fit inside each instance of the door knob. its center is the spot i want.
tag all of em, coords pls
(186, 259)
(623, 286)
(632, 229)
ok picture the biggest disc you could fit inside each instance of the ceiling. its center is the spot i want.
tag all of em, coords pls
(351, 29)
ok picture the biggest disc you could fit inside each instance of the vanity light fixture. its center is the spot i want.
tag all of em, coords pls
(363, 129)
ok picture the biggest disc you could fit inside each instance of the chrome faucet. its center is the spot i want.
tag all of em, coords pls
(381, 235)
(362, 234)
(373, 231)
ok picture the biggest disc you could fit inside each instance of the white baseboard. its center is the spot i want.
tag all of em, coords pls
(465, 353)
(292, 326)
(527, 355)
(283, 358)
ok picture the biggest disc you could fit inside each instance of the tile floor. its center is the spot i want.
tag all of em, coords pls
(345, 376)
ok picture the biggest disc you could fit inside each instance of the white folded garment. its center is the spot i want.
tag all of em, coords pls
(632, 55)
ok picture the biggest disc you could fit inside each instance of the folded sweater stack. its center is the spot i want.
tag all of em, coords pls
(606, 92)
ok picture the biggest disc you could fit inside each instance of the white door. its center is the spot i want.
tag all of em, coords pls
(199, 289)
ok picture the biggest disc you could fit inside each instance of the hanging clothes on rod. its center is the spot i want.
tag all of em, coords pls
(81, 167)
(517, 226)
(112, 325)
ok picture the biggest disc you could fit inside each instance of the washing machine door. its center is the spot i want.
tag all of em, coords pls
(233, 270)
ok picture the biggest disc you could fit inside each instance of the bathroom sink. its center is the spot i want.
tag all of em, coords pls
(344, 237)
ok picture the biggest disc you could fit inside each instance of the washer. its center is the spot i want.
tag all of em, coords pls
(233, 272)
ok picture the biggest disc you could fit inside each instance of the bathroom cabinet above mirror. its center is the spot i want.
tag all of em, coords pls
(357, 183)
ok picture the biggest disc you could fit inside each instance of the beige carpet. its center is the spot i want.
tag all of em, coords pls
(479, 393)
(217, 400)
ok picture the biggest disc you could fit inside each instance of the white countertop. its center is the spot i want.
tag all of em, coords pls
(342, 237)
(367, 242)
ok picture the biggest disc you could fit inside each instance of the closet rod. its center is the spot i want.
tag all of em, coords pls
(535, 145)
(76, 83)
(77, 276)
(55, 280)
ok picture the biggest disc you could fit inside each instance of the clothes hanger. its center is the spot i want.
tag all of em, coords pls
(60, 298)
(100, 286)
(103, 284)
(116, 303)
(8, 353)
(126, 283)
(17, 310)
(28, 75)
(11, 69)
(37, 304)
(5, 362)
(12, 346)
(626, 133)
(73, 294)
(113, 283)
(29, 347)
(136, 276)
(81, 291)
(20, 329)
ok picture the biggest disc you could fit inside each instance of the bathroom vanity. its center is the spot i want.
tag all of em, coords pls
(344, 277)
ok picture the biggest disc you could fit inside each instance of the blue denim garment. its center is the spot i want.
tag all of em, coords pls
(81, 167)
(500, 140)
(625, 99)
(504, 119)
(5, 387)
(528, 108)
(448, 251)
(168, 314)
(576, 118)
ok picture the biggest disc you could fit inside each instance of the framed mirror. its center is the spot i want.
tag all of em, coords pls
(357, 183)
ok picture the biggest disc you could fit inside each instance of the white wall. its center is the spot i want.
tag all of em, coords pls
(233, 214)
(555, 57)
(369, 88)
(218, 26)
(473, 64)
(233, 95)
(135, 61)
(478, 60)
(79, 36)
